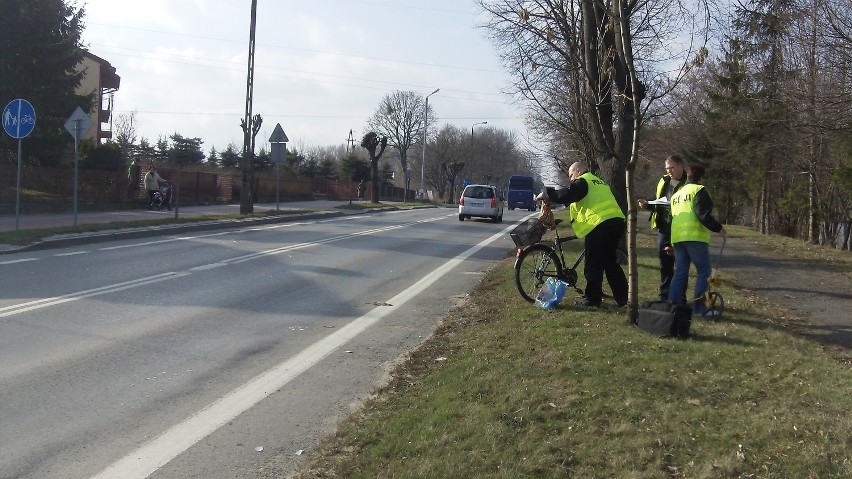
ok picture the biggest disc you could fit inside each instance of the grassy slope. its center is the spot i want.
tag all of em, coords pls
(579, 393)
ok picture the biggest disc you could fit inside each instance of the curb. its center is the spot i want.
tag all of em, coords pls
(75, 239)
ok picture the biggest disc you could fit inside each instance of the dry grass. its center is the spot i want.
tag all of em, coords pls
(577, 393)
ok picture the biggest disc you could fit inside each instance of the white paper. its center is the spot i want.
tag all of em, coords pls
(662, 201)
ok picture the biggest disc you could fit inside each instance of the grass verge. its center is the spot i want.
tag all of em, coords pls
(530, 393)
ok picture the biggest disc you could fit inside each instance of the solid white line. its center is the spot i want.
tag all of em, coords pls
(74, 253)
(156, 453)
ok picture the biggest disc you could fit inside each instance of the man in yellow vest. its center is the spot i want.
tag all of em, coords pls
(692, 222)
(596, 217)
(668, 185)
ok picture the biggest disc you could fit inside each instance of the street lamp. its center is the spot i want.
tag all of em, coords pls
(471, 138)
(425, 125)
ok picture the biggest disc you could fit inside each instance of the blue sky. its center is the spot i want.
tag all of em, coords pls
(321, 66)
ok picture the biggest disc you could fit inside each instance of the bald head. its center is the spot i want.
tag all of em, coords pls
(576, 170)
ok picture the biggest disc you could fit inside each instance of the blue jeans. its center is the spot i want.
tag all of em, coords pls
(688, 252)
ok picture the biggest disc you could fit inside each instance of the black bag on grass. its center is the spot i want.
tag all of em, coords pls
(662, 318)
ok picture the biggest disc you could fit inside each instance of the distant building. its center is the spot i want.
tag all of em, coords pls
(101, 79)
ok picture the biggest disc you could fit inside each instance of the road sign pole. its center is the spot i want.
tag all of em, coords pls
(18, 119)
(77, 129)
(77, 124)
(278, 141)
(18, 190)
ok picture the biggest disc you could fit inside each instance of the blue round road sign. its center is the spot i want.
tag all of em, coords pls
(19, 118)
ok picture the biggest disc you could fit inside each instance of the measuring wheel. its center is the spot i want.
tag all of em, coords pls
(715, 306)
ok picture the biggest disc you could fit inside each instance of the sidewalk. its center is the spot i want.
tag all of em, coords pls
(300, 210)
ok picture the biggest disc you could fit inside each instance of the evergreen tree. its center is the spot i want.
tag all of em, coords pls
(326, 169)
(725, 144)
(764, 26)
(213, 157)
(145, 151)
(185, 151)
(231, 157)
(353, 168)
(263, 161)
(40, 46)
(161, 150)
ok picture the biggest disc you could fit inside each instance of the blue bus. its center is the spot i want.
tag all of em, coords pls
(521, 192)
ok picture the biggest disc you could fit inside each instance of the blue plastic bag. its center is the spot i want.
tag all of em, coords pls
(551, 293)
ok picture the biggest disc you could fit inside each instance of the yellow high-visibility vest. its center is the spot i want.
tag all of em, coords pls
(685, 223)
(596, 207)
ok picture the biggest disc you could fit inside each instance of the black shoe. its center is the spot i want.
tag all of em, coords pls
(586, 303)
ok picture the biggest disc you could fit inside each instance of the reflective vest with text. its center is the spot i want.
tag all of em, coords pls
(685, 223)
(596, 207)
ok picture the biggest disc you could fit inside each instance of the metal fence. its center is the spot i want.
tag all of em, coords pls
(52, 189)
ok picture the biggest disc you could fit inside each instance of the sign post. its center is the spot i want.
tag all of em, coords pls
(278, 140)
(19, 119)
(78, 124)
(407, 185)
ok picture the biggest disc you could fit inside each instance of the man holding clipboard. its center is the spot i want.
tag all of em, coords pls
(660, 219)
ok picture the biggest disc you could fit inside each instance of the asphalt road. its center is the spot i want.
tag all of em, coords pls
(11, 222)
(210, 354)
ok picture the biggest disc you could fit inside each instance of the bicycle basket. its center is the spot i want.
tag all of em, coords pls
(527, 233)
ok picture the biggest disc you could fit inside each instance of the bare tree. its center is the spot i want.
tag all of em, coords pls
(125, 134)
(448, 148)
(372, 142)
(588, 71)
(400, 118)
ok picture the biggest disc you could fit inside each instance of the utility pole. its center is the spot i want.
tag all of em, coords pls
(246, 200)
(350, 143)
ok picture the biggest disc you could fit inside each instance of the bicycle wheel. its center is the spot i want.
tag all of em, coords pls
(532, 268)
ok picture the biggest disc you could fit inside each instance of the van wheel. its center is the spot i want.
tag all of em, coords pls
(461, 217)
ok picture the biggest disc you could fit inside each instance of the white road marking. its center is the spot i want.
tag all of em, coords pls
(156, 453)
(46, 302)
(22, 260)
(206, 267)
(73, 253)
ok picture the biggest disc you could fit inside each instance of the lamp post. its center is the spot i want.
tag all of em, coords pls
(471, 138)
(425, 126)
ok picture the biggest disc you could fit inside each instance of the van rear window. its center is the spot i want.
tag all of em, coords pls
(480, 192)
(525, 182)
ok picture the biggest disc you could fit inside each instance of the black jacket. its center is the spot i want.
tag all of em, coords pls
(576, 191)
(704, 210)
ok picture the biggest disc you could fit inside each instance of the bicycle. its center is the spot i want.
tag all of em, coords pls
(538, 260)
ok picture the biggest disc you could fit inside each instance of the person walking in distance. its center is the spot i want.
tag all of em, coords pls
(596, 217)
(692, 222)
(152, 184)
(660, 219)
